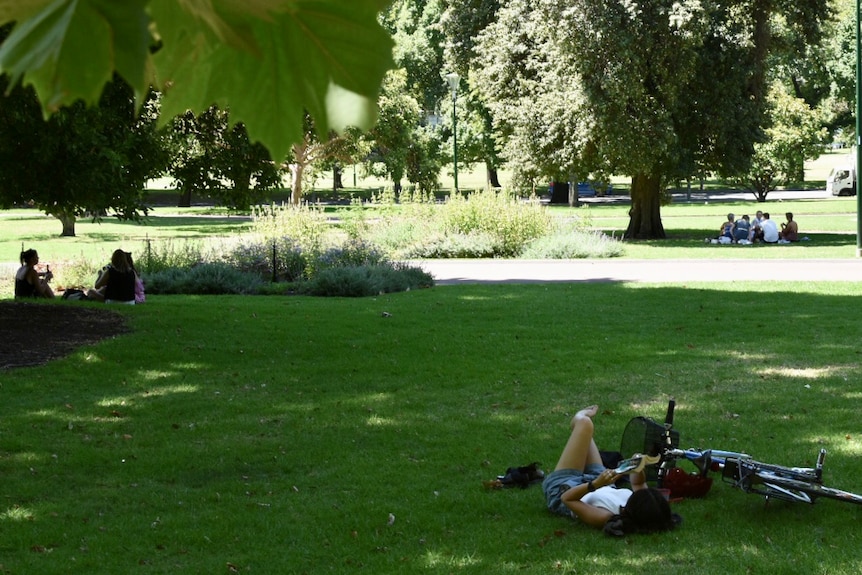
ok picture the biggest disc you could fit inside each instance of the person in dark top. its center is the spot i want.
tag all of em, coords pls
(29, 282)
(742, 229)
(116, 284)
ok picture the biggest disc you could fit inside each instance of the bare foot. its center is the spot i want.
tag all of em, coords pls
(590, 412)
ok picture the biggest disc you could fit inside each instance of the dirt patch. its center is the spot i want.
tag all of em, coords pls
(34, 334)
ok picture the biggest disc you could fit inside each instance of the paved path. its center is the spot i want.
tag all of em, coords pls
(448, 272)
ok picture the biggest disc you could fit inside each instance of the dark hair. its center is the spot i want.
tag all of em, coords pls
(120, 261)
(131, 261)
(28, 255)
(646, 511)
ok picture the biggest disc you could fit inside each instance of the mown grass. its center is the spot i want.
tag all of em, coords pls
(305, 435)
(830, 224)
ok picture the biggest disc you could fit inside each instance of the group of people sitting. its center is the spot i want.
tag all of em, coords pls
(118, 282)
(761, 229)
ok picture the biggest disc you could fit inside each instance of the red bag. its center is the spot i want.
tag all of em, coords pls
(682, 484)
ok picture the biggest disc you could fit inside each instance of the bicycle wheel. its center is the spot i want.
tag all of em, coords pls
(770, 484)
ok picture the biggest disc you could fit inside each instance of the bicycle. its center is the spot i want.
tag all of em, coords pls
(742, 471)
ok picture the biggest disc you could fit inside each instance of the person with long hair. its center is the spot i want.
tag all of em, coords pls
(116, 283)
(581, 487)
(28, 281)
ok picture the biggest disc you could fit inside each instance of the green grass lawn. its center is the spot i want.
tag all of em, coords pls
(830, 224)
(312, 435)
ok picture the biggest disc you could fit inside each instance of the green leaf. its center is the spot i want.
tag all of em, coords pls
(269, 61)
(324, 57)
(19, 10)
(70, 48)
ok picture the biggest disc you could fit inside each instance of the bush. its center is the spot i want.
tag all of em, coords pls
(400, 230)
(573, 244)
(511, 222)
(257, 257)
(453, 245)
(204, 279)
(353, 253)
(366, 280)
(80, 273)
(305, 225)
(159, 255)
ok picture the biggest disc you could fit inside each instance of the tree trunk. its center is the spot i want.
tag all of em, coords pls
(185, 199)
(762, 36)
(493, 178)
(560, 193)
(645, 214)
(302, 157)
(296, 170)
(337, 183)
(68, 221)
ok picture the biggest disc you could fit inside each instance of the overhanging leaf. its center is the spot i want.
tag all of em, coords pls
(69, 49)
(300, 54)
(270, 61)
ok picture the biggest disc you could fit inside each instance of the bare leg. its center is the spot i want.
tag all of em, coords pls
(96, 294)
(580, 449)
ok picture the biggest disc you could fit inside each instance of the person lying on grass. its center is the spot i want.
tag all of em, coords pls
(581, 487)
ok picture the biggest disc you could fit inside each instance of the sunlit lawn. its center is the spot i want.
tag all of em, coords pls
(830, 224)
(311, 435)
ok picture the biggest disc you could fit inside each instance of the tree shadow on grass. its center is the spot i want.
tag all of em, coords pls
(341, 428)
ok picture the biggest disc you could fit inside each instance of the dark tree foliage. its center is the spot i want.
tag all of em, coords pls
(462, 22)
(207, 153)
(194, 143)
(82, 160)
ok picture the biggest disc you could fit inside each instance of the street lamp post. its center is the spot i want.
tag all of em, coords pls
(858, 130)
(453, 79)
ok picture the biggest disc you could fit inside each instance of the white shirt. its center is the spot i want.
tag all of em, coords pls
(608, 498)
(770, 231)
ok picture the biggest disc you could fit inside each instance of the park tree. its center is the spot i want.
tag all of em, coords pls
(838, 55)
(537, 108)
(414, 91)
(795, 133)
(415, 29)
(209, 155)
(269, 61)
(194, 141)
(247, 166)
(313, 154)
(661, 87)
(461, 22)
(389, 140)
(83, 160)
(419, 32)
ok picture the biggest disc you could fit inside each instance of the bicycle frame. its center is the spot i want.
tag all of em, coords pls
(797, 484)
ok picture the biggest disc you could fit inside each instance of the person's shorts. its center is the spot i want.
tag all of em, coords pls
(558, 482)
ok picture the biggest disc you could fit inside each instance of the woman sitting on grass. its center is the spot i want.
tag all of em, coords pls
(29, 282)
(582, 488)
(116, 284)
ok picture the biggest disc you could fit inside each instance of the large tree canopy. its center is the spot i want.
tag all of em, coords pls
(83, 160)
(269, 61)
(653, 89)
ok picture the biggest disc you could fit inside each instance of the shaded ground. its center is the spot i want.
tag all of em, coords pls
(33, 333)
